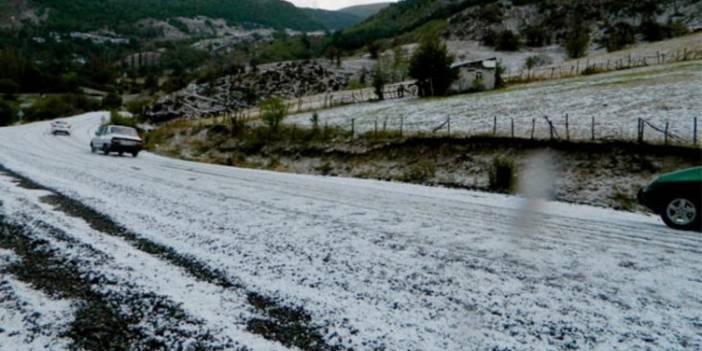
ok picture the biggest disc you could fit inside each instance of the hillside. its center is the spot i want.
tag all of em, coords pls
(333, 20)
(365, 11)
(658, 94)
(533, 22)
(87, 15)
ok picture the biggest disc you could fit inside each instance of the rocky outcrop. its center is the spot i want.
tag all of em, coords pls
(287, 80)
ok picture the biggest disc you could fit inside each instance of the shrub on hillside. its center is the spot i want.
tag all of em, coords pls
(421, 172)
(111, 101)
(136, 106)
(507, 41)
(379, 80)
(577, 40)
(536, 36)
(502, 175)
(8, 113)
(273, 111)
(8, 86)
(54, 106)
(654, 31)
(534, 61)
(117, 119)
(489, 38)
(619, 37)
(491, 13)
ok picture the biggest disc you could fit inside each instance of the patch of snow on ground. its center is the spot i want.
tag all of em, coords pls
(29, 319)
(384, 265)
(616, 101)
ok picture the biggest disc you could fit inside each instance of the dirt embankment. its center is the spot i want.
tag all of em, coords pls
(607, 174)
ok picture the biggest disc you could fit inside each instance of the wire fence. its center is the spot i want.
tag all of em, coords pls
(562, 128)
(606, 63)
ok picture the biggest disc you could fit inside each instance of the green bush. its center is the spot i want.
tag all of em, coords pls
(273, 111)
(491, 13)
(421, 172)
(577, 40)
(8, 86)
(593, 69)
(137, 105)
(536, 36)
(507, 41)
(502, 175)
(8, 113)
(379, 80)
(489, 38)
(117, 119)
(111, 101)
(619, 37)
(654, 31)
(55, 106)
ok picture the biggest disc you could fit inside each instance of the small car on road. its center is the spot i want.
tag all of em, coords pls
(60, 128)
(119, 139)
(676, 197)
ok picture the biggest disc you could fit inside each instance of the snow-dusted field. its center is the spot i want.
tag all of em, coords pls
(616, 100)
(378, 266)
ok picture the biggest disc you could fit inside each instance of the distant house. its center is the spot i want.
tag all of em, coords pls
(475, 75)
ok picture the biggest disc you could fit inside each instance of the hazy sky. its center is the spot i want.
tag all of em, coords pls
(334, 4)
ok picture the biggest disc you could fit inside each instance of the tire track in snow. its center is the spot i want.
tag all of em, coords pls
(291, 326)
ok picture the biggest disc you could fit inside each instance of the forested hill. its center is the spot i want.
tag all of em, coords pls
(86, 15)
(365, 11)
(333, 20)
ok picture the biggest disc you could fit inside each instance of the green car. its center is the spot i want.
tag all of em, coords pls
(677, 198)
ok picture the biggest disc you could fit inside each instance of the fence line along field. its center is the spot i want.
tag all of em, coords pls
(669, 51)
(660, 95)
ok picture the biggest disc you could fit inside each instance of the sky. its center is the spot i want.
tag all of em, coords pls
(334, 4)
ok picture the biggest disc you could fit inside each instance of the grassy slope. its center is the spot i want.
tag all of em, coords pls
(604, 174)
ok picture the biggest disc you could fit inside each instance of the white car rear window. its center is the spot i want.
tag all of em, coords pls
(124, 131)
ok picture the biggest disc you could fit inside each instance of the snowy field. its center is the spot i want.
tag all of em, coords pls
(616, 100)
(377, 266)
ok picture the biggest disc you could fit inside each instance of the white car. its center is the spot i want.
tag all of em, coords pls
(119, 139)
(60, 127)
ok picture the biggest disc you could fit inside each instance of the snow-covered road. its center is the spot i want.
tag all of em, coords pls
(376, 265)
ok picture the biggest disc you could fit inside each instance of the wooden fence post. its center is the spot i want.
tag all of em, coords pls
(375, 129)
(449, 126)
(641, 127)
(494, 126)
(694, 131)
(533, 127)
(665, 136)
(567, 126)
(353, 127)
(402, 125)
(512, 126)
(592, 129)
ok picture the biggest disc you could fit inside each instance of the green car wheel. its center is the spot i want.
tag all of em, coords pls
(677, 198)
(682, 213)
